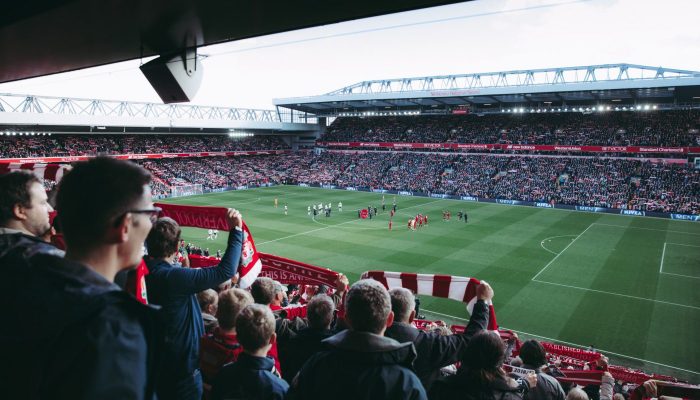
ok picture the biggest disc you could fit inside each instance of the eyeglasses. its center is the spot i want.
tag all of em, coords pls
(152, 213)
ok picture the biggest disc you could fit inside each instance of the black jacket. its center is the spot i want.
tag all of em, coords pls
(14, 241)
(458, 387)
(174, 288)
(296, 351)
(360, 365)
(436, 351)
(548, 388)
(249, 378)
(70, 333)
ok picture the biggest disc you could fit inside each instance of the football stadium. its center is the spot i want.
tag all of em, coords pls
(523, 232)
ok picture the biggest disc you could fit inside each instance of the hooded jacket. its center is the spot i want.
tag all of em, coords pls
(360, 365)
(70, 333)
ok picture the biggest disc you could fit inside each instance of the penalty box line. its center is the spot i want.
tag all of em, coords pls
(663, 255)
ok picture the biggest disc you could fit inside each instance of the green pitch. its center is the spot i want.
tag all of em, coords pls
(629, 286)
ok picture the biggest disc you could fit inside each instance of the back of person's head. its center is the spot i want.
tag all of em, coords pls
(23, 202)
(532, 353)
(255, 326)
(483, 357)
(163, 239)
(402, 303)
(231, 302)
(368, 307)
(576, 393)
(96, 195)
(208, 301)
(320, 311)
(263, 290)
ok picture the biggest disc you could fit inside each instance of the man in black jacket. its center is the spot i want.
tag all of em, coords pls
(24, 215)
(174, 288)
(307, 342)
(535, 357)
(434, 350)
(69, 331)
(361, 363)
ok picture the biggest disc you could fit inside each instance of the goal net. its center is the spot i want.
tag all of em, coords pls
(186, 190)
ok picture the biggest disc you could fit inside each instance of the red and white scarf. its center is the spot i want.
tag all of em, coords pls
(445, 286)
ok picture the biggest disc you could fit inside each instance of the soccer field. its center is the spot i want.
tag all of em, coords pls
(629, 286)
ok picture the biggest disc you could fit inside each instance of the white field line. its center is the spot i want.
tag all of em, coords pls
(552, 237)
(331, 226)
(562, 252)
(571, 344)
(619, 294)
(663, 254)
(646, 229)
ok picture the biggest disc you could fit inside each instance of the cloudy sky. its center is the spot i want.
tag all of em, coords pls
(480, 36)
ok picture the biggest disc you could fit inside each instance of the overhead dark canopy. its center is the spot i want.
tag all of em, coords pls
(51, 36)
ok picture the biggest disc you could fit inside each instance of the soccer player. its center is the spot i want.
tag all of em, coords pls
(391, 213)
(340, 206)
(285, 209)
(210, 234)
(216, 233)
(390, 223)
(275, 202)
(465, 217)
(308, 210)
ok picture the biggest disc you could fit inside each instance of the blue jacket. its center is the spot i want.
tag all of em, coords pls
(69, 333)
(360, 365)
(251, 378)
(174, 288)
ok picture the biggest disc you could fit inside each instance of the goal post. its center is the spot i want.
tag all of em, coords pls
(186, 190)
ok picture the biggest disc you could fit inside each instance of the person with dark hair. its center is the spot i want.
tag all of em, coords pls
(24, 215)
(253, 375)
(534, 357)
(361, 361)
(174, 288)
(72, 333)
(307, 342)
(481, 376)
(434, 350)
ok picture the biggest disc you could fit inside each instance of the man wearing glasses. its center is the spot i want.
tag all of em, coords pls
(70, 332)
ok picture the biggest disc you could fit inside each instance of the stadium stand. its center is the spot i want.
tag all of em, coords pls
(77, 145)
(667, 128)
(634, 184)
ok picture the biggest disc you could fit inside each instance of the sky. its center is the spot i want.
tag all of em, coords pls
(479, 36)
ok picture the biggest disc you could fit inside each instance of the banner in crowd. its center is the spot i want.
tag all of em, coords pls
(517, 147)
(446, 286)
(69, 159)
(215, 218)
(280, 269)
(52, 172)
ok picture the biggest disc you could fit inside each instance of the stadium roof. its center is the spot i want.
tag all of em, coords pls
(50, 36)
(612, 84)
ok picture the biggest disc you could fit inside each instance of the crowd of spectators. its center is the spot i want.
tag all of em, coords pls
(103, 144)
(656, 128)
(635, 184)
(90, 331)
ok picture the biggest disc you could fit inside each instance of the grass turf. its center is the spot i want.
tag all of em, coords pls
(629, 286)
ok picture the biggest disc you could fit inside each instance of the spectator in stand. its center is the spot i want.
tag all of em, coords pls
(434, 350)
(208, 302)
(360, 362)
(174, 289)
(534, 357)
(24, 215)
(481, 376)
(307, 342)
(72, 332)
(576, 393)
(253, 375)
(222, 346)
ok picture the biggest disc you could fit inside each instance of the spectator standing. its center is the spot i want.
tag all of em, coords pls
(174, 288)
(434, 350)
(72, 333)
(361, 361)
(534, 357)
(253, 375)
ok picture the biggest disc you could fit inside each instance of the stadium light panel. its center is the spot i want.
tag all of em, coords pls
(654, 107)
(646, 107)
(639, 107)
(607, 108)
(600, 108)
(522, 110)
